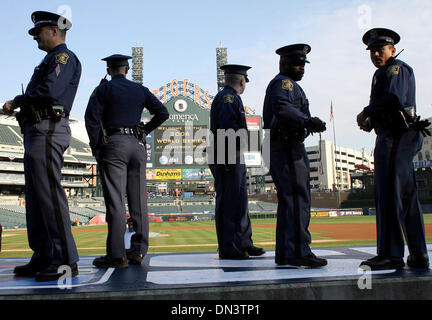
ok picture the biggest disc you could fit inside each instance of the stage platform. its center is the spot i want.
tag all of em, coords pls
(202, 276)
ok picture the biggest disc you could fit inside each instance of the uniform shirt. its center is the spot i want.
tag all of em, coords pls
(227, 112)
(286, 102)
(54, 82)
(393, 86)
(119, 103)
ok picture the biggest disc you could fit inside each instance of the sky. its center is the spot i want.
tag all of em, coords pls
(180, 40)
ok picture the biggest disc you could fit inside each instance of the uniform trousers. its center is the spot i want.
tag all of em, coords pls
(47, 212)
(122, 162)
(398, 210)
(233, 226)
(289, 168)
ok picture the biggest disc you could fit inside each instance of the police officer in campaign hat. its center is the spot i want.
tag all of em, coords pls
(117, 138)
(392, 113)
(44, 111)
(286, 114)
(226, 162)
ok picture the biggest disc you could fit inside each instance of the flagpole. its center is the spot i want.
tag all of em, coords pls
(334, 155)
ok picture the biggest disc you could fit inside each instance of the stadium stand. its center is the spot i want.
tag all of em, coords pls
(11, 219)
(198, 199)
(78, 171)
(267, 206)
(8, 137)
(198, 208)
(253, 207)
(163, 209)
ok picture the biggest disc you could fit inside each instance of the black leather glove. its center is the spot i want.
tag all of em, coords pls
(421, 125)
(315, 124)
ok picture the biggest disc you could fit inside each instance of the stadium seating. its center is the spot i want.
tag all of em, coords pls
(7, 136)
(267, 206)
(79, 146)
(198, 208)
(198, 199)
(11, 219)
(254, 207)
(163, 209)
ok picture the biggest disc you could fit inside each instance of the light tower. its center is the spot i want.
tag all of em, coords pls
(221, 59)
(137, 64)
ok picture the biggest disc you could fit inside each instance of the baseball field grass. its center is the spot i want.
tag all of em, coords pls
(200, 236)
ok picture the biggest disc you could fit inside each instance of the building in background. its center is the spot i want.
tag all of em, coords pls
(423, 159)
(332, 167)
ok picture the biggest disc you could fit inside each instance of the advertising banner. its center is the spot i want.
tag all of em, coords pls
(168, 174)
(197, 174)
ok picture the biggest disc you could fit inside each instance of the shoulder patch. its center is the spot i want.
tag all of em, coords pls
(61, 58)
(228, 98)
(287, 84)
(393, 70)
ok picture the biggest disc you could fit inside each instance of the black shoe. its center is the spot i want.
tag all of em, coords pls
(306, 261)
(105, 262)
(134, 258)
(383, 263)
(418, 261)
(255, 251)
(30, 269)
(234, 256)
(52, 273)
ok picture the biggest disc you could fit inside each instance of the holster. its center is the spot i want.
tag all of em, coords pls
(29, 115)
(140, 133)
(398, 121)
(286, 134)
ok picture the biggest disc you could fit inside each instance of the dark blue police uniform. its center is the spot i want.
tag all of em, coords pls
(286, 113)
(397, 206)
(45, 107)
(113, 119)
(233, 226)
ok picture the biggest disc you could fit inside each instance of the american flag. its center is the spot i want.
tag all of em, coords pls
(331, 111)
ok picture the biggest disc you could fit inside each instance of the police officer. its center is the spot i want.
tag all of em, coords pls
(227, 117)
(44, 110)
(286, 114)
(117, 139)
(391, 112)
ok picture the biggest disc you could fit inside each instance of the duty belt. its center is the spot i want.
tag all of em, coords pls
(125, 131)
(51, 114)
(31, 115)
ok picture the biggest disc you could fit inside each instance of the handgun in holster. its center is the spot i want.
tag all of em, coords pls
(140, 133)
(287, 135)
(58, 113)
(28, 115)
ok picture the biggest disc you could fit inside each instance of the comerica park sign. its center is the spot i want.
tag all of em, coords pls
(180, 141)
(184, 88)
